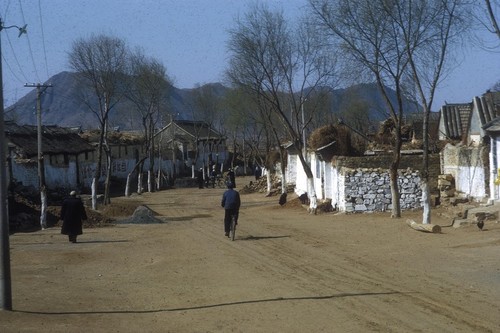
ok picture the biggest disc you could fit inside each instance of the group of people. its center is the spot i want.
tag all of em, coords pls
(73, 211)
(212, 177)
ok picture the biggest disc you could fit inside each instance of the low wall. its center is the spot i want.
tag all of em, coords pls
(369, 190)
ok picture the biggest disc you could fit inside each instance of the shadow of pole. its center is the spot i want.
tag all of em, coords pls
(269, 300)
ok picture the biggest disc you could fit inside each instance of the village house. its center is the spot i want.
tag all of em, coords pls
(470, 157)
(70, 156)
(66, 156)
(126, 148)
(193, 145)
(362, 183)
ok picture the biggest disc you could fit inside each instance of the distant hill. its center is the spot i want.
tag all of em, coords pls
(63, 105)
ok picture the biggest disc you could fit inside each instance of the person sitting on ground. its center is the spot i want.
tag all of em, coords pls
(231, 203)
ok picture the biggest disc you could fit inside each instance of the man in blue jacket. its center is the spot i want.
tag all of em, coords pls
(231, 203)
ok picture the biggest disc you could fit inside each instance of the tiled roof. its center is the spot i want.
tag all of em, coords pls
(456, 119)
(55, 140)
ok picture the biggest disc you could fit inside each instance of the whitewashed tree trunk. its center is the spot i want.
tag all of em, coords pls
(127, 186)
(283, 183)
(94, 193)
(158, 179)
(313, 199)
(269, 185)
(43, 208)
(426, 202)
(150, 181)
(193, 173)
(139, 183)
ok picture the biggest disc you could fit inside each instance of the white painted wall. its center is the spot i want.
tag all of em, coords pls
(466, 167)
(494, 155)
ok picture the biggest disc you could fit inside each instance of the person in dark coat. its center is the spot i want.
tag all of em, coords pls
(258, 172)
(200, 178)
(72, 214)
(230, 175)
(213, 176)
(231, 203)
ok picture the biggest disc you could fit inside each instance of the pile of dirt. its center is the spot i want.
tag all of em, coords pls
(142, 215)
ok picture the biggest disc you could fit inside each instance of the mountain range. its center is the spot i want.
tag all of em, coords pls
(62, 104)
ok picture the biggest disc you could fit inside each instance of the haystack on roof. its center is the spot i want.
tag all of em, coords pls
(115, 137)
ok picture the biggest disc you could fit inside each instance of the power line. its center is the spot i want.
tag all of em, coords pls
(16, 61)
(29, 44)
(43, 38)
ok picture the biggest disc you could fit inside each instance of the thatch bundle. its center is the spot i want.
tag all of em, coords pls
(341, 135)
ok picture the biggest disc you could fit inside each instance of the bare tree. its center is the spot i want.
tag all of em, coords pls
(489, 9)
(206, 106)
(429, 29)
(148, 89)
(101, 63)
(260, 136)
(360, 28)
(403, 45)
(282, 66)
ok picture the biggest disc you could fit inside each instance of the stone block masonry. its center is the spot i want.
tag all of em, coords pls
(369, 190)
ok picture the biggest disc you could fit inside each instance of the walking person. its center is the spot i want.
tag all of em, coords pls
(201, 181)
(257, 172)
(213, 176)
(231, 176)
(72, 214)
(231, 203)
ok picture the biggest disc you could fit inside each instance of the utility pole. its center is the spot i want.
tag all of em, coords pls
(41, 166)
(5, 283)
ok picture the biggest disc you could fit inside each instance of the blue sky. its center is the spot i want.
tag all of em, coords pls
(188, 36)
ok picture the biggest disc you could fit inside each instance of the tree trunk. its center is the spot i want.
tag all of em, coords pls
(107, 184)
(158, 178)
(311, 191)
(94, 193)
(139, 182)
(426, 192)
(423, 227)
(43, 207)
(269, 184)
(150, 181)
(313, 199)
(393, 174)
(396, 205)
(127, 185)
(284, 185)
(426, 202)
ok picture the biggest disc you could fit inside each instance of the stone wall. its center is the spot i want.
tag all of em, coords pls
(369, 190)
(383, 161)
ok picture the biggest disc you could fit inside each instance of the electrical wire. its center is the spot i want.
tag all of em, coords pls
(14, 55)
(29, 44)
(43, 38)
(13, 72)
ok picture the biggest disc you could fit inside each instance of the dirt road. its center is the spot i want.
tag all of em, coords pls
(287, 271)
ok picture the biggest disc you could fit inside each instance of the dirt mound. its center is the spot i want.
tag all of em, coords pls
(142, 215)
